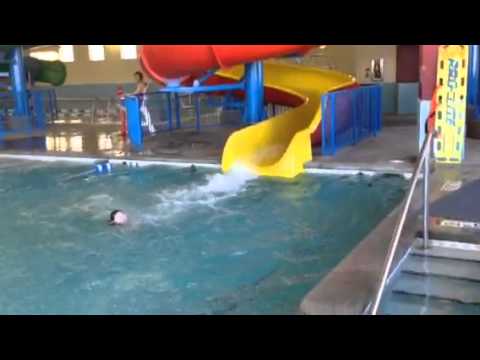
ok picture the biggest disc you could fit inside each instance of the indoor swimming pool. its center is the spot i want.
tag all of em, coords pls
(197, 242)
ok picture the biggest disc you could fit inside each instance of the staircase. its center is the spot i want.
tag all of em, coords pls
(444, 279)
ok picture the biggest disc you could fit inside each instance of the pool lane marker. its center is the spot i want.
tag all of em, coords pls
(141, 163)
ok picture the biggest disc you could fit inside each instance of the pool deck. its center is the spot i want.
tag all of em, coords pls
(392, 151)
(350, 287)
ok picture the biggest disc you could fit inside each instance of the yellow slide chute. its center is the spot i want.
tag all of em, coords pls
(280, 146)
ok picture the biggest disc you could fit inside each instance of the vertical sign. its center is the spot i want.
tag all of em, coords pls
(452, 73)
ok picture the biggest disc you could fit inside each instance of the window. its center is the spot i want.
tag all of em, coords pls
(96, 52)
(66, 54)
(105, 142)
(49, 55)
(76, 143)
(128, 52)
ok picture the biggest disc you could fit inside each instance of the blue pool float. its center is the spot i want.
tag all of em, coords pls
(103, 167)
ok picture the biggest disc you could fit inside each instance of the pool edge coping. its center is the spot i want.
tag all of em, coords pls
(187, 163)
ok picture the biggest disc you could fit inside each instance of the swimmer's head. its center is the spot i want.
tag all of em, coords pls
(193, 169)
(118, 217)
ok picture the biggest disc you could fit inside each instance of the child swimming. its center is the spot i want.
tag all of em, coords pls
(118, 217)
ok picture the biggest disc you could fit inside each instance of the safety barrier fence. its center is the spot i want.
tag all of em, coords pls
(88, 110)
(349, 116)
(43, 108)
(181, 108)
(173, 111)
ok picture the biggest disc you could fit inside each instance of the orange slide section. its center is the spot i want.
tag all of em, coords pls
(163, 62)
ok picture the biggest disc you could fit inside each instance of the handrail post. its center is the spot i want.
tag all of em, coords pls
(426, 196)
(93, 117)
(177, 100)
(197, 113)
(333, 107)
(169, 111)
(401, 222)
(134, 122)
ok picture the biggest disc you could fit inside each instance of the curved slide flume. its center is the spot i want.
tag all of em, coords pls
(49, 72)
(278, 146)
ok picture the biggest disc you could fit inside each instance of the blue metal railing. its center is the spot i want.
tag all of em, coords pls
(167, 111)
(6, 109)
(173, 111)
(43, 105)
(473, 91)
(349, 116)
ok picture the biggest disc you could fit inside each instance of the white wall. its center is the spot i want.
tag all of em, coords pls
(365, 53)
(351, 59)
(338, 57)
(342, 57)
(354, 59)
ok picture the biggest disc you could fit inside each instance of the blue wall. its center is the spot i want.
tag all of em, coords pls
(389, 98)
(407, 98)
(399, 98)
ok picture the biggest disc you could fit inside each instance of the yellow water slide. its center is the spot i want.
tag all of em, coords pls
(280, 146)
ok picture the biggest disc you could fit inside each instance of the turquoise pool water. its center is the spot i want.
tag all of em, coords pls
(200, 243)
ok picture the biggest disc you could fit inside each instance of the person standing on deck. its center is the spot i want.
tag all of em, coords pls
(141, 91)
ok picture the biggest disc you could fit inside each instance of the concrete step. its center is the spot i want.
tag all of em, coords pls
(406, 304)
(454, 268)
(444, 229)
(448, 249)
(463, 291)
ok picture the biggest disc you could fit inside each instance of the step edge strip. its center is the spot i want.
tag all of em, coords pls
(412, 272)
(435, 297)
(450, 244)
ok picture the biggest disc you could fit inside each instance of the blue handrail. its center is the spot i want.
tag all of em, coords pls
(188, 90)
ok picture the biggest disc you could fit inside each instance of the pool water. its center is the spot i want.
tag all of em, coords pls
(197, 243)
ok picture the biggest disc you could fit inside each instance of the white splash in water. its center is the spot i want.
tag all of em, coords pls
(218, 187)
(232, 182)
(240, 253)
(154, 282)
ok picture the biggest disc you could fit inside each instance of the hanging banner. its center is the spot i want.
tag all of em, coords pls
(452, 70)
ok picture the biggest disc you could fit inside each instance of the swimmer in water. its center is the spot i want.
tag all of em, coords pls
(118, 217)
(193, 169)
